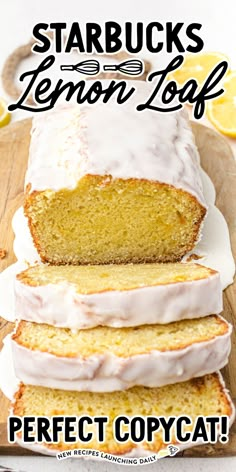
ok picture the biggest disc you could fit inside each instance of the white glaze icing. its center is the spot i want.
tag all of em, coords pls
(107, 372)
(214, 248)
(9, 383)
(208, 188)
(137, 451)
(7, 299)
(23, 246)
(62, 306)
(72, 141)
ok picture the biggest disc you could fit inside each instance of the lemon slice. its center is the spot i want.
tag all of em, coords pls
(222, 111)
(5, 116)
(197, 66)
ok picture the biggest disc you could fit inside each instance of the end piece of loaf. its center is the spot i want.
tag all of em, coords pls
(108, 184)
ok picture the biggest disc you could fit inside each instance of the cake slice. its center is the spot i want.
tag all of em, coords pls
(79, 297)
(109, 359)
(205, 396)
(106, 184)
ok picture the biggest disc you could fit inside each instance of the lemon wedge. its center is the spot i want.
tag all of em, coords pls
(222, 110)
(5, 116)
(197, 66)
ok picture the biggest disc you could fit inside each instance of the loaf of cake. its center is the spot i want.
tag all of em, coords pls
(108, 184)
(201, 396)
(107, 359)
(79, 297)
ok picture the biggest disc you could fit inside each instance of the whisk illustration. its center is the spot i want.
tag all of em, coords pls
(92, 67)
(129, 67)
(88, 67)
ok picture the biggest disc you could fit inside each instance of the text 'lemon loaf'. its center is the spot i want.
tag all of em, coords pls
(108, 184)
(79, 297)
(201, 396)
(108, 359)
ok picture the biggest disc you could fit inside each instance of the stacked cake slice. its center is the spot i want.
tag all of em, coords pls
(108, 185)
(203, 396)
(80, 297)
(108, 359)
(148, 369)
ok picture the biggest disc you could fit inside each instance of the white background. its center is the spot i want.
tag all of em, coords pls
(17, 18)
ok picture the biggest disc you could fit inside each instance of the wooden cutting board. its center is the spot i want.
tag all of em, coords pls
(217, 160)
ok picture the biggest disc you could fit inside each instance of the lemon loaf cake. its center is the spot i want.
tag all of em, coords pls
(79, 297)
(108, 184)
(205, 396)
(109, 359)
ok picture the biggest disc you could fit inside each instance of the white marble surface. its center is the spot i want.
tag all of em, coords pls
(218, 19)
(33, 464)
